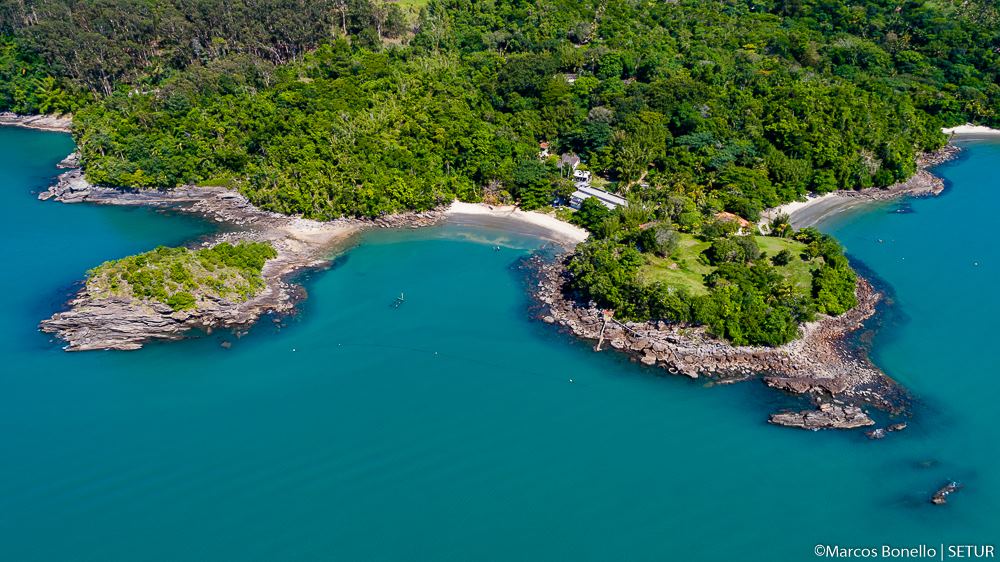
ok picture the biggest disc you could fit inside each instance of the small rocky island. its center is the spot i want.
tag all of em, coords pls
(226, 282)
(169, 291)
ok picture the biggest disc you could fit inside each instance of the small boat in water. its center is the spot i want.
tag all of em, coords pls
(399, 301)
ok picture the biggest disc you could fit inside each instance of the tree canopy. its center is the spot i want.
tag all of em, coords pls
(355, 107)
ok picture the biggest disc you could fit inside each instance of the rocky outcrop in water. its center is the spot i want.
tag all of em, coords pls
(93, 322)
(126, 324)
(827, 416)
(71, 161)
(921, 183)
(819, 365)
(940, 497)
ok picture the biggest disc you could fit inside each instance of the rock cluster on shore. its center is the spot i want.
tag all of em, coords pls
(818, 365)
(921, 183)
(124, 324)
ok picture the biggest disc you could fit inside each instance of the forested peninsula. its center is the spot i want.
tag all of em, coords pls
(699, 115)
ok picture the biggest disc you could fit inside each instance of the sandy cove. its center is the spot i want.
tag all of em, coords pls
(970, 131)
(816, 208)
(837, 377)
(513, 220)
(124, 324)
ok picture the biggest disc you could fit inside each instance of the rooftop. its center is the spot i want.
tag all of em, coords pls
(609, 199)
(724, 216)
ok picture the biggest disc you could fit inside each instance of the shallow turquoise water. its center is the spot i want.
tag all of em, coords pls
(448, 429)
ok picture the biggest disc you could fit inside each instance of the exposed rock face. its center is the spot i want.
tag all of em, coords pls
(56, 123)
(71, 161)
(828, 416)
(124, 324)
(216, 203)
(818, 365)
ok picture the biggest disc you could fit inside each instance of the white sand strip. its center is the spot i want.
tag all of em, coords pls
(514, 219)
(970, 130)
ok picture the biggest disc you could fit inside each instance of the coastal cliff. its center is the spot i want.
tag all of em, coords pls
(836, 377)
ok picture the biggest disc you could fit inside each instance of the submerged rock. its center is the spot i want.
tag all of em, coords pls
(940, 497)
(876, 433)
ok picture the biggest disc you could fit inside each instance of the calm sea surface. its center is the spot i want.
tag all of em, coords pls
(448, 429)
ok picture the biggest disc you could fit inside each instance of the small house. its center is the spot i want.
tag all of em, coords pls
(543, 150)
(742, 224)
(569, 160)
(581, 177)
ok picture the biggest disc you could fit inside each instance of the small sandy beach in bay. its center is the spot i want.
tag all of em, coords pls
(816, 208)
(513, 220)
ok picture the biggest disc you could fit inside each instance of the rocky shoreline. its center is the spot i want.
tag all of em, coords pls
(837, 378)
(920, 184)
(54, 123)
(92, 323)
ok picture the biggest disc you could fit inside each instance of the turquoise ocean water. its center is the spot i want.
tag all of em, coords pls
(448, 429)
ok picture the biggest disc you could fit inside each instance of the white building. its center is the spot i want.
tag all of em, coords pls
(609, 200)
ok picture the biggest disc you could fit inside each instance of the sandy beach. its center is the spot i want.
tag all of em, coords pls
(816, 208)
(513, 220)
(970, 131)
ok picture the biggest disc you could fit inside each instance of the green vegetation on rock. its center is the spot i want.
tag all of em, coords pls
(182, 278)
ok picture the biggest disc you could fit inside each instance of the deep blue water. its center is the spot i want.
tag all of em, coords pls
(448, 429)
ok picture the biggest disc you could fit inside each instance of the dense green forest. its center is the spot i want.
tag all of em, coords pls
(329, 108)
(362, 106)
